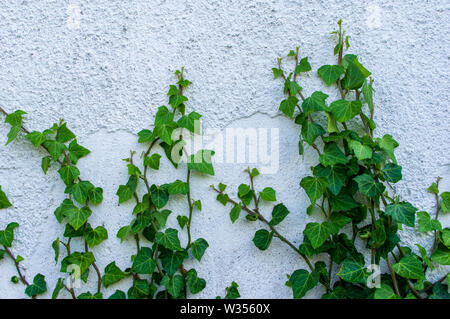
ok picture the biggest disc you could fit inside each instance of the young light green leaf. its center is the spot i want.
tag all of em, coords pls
(4, 202)
(153, 161)
(268, 194)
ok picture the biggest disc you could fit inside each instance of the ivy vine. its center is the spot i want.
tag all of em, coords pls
(348, 188)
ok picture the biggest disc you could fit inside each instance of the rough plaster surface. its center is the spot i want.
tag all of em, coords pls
(107, 77)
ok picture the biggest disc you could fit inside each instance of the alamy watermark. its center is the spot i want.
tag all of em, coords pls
(253, 146)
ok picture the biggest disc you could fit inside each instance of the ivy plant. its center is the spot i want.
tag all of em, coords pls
(350, 188)
(158, 269)
(62, 149)
(38, 286)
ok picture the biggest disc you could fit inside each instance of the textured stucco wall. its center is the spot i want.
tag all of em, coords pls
(107, 75)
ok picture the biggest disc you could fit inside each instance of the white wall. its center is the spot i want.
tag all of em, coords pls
(107, 77)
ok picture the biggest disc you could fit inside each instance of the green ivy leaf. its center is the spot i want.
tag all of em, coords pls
(152, 161)
(55, 148)
(317, 233)
(15, 120)
(146, 136)
(288, 106)
(303, 66)
(36, 138)
(201, 162)
(159, 195)
(441, 255)
(268, 194)
(336, 175)
(59, 286)
(424, 255)
(118, 294)
(66, 207)
(45, 164)
(95, 195)
(195, 283)
(171, 261)
(355, 73)
(232, 291)
(445, 204)
(64, 134)
(198, 248)
(178, 187)
(55, 246)
(361, 151)
(76, 151)
(301, 281)
(182, 221)
(4, 202)
(77, 218)
(83, 260)
(112, 275)
(403, 213)
(188, 122)
(311, 131)
(427, 224)
(164, 131)
(392, 172)
(173, 284)
(140, 289)
(39, 286)
(69, 174)
(81, 190)
(143, 262)
(7, 235)
(445, 237)
(262, 239)
(385, 292)
(344, 110)
(124, 232)
(342, 202)
(409, 267)
(368, 186)
(169, 239)
(332, 155)
(388, 145)
(330, 73)
(235, 212)
(125, 193)
(314, 187)
(367, 91)
(95, 236)
(353, 271)
(277, 73)
(315, 103)
(279, 213)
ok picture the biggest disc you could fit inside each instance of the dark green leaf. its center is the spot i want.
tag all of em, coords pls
(279, 213)
(262, 239)
(38, 286)
(198, 248)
